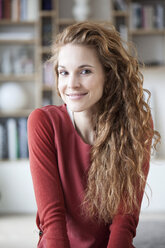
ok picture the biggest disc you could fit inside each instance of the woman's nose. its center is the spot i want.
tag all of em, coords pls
(73, 81)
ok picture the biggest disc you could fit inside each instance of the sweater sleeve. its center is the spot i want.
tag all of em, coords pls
(46, 181)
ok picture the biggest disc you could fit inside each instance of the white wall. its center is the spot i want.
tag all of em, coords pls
(16, 190)
(156, 188)
(17, 194)
(154, 80)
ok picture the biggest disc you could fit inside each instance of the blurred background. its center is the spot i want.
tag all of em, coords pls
(27, 29)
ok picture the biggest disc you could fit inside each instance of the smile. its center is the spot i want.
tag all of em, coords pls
(76, 96)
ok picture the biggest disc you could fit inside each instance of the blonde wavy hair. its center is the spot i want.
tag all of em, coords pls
(123, 124)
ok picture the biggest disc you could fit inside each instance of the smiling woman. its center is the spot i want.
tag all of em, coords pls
(89, 158)
(81, 78)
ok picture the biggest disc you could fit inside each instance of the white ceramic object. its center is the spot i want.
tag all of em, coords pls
(12, 97)
(81, 10)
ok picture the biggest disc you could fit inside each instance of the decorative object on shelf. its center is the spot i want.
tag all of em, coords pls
(6, 67)
(23, 61)
(81, 10)
(17, 60)
(12, 97)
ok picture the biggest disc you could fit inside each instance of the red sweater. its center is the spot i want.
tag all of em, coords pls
(59, 161)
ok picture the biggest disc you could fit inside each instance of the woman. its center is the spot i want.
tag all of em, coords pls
(89, 158)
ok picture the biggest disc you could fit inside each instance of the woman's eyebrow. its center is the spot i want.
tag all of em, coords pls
(81, 66)
(86, 65)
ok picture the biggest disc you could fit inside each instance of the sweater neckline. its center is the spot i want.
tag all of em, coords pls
(71, 121)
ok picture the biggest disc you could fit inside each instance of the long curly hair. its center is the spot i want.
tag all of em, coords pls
(122, 125)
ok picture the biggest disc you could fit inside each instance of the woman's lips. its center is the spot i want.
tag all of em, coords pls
(76, 96)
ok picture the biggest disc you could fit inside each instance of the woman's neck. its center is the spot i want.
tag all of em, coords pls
(84, 127)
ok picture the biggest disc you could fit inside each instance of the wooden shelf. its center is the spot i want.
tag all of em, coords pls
(20, 78)
(47, 88)
(45, 49)
(66, 21)
(120, 13)
(15, 114)
(22, 23)
(15, 41)
(46, 13)
(156, 68)
(70, 21)
(147, 32)
(21, 161)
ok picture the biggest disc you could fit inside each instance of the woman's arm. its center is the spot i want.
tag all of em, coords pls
(123, 227)
(46, 180)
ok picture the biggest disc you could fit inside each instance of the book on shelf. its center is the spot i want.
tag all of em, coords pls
(15, 10)
(23, 10)
(22, 138)
(147, 17)
(120, 5)
(0, 9)
(47, 5)
(46, 31)
(13, 138)
(135, 16)
(32, 10)
(159, 16)
(7, 9)
(3, 140)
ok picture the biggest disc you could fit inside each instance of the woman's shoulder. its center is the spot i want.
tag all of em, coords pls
(48, 114)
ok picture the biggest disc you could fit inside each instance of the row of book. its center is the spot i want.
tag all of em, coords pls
(147, 16)
(19, 10)
(13, 138)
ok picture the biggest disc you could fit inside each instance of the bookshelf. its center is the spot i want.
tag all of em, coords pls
(142, 22)
(18, 75)
(26, 36)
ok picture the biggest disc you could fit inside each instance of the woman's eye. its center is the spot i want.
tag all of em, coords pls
(63, 73)
(86, 71)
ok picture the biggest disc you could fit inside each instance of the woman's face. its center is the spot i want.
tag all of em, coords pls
(80, 77)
